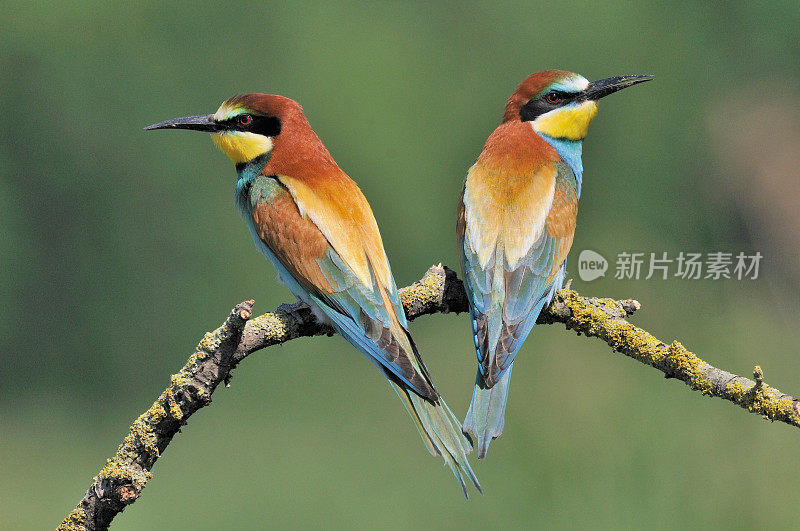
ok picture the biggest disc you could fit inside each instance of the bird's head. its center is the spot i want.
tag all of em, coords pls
(561, 104)
(244, 127)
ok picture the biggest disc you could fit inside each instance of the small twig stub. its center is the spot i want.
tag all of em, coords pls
(121, 481)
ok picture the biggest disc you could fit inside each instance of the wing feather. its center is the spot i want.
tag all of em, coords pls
(509, 288)
(349, 283)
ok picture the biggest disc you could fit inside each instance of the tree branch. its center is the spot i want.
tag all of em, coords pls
(121, 481)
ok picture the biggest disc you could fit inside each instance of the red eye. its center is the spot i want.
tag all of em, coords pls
(553, 98)
(245, 119)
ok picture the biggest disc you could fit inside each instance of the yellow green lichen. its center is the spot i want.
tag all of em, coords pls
(604, 318)
(587, 318)
(762, 399)
(758, 374)
(118, 472)
(608, 304)
(128, 471)
(271, 324)
(157, 413)
(142, 435)
(207, 342)
(426, 291)
(737, 390)
(196, 356)
(686, 362)
(174, 408)
(75, 521)
(599, 318)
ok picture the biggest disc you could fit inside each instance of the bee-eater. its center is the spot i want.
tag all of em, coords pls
(315, 226)
(516, 221)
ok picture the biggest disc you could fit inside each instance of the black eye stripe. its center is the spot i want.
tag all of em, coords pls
(259, 124)
(540, 105)
(562, 95)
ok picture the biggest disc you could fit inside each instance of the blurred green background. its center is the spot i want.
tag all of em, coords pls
(120, 248)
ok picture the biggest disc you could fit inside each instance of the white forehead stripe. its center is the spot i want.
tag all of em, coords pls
(227, 111)
(574, 83)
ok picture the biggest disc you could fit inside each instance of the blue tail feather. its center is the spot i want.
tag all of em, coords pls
(441, 433)
(486, 415)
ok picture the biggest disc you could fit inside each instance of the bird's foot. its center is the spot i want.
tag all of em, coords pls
(299, 310)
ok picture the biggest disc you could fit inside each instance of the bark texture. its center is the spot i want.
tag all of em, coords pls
(120, 482)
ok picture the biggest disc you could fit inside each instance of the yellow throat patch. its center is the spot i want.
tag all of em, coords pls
(571, 122)
(241, 146)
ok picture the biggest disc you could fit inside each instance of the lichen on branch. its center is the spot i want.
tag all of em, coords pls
(121, 480)
(602, 318)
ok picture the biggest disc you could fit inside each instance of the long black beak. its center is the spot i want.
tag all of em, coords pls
(604, 87)
(200, 122)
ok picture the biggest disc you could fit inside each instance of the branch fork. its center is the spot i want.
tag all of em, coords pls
(121, 481)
